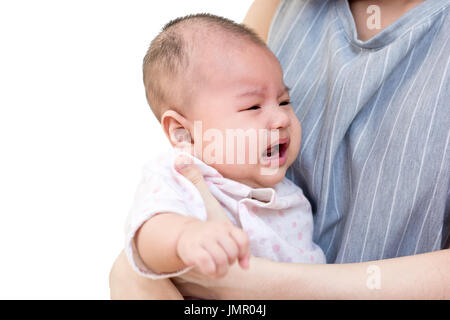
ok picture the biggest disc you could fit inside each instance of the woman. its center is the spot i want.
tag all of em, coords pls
(370, 84)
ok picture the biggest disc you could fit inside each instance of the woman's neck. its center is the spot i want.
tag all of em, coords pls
(372, 16)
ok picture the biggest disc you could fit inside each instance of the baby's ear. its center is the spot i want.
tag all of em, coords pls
(176, 128)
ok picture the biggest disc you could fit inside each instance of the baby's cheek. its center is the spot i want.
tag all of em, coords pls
(296, 137)
(296, 128)
(237, 172)
(245, 149)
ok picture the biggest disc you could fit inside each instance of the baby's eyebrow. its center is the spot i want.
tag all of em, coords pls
(255, 91)
(285, 90)
(259, 91)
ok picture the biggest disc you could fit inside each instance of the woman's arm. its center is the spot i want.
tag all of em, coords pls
(126, 284)
(259, 16)
(423, 276)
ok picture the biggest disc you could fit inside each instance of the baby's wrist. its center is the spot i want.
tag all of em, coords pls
(181, 235)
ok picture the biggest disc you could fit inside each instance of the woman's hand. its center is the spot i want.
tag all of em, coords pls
(184, 165)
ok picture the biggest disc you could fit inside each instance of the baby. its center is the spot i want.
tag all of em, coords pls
(209, 80)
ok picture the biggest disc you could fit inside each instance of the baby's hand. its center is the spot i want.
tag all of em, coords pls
(212, 246)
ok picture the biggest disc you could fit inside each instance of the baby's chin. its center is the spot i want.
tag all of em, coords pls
(254, 176)
(269, 178)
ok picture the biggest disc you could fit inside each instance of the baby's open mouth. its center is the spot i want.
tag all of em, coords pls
(276, 153)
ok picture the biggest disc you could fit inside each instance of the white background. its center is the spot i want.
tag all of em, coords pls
(75, 131)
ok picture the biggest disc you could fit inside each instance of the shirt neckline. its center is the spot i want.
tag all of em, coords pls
(414, 16)
(239, 189)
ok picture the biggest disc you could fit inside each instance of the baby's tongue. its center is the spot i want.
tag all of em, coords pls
(272, 152)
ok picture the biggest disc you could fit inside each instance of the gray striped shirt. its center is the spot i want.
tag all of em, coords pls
(375, 154)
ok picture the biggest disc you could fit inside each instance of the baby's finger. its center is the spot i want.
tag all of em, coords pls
(245, 262)
(219, 256)
(205, 262)
(243, 243)
(230, 247)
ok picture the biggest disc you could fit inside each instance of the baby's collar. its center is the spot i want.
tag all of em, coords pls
(265, 195)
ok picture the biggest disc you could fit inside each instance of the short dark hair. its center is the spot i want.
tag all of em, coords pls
(168, 54)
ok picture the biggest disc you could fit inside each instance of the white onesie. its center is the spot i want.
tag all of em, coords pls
(278, 220)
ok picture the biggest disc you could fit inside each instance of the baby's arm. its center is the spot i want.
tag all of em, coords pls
(170, 242)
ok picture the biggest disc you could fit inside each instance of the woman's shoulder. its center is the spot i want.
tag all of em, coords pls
(295, 16)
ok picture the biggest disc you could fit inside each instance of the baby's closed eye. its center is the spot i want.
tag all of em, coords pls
(255, 107)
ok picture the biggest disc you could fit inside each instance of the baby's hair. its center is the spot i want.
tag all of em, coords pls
(169, 53)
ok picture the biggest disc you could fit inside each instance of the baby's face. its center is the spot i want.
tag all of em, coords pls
(244, 89)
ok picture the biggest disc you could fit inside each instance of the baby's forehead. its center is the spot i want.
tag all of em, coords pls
(219, 52)
(215, 70)
(213, 56)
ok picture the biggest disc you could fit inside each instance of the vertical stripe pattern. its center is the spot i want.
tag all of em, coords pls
(375, 116)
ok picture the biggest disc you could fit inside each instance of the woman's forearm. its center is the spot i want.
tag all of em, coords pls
(423, 276)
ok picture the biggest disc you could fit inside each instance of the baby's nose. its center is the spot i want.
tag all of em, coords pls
(279, 118)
